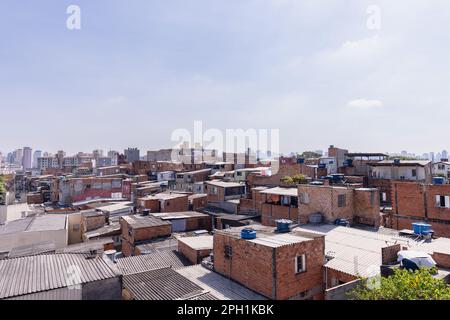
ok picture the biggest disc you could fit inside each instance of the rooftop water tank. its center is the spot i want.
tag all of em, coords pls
(283, 225)
(438, 180)
(146, 212)
(421, 229)
(248, 234)
(315, 218)
(300, 160)
(397, 162)
(348, 162)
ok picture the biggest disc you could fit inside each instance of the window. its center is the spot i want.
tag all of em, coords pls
(442, 201)
(383, 197)
(414, 172)
(228, 252)
(304, 198)
(239, 173)
(300, 264)
(341, 200)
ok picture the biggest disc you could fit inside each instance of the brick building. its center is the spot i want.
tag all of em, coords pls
(418, 202)
(279, 203)
(138, 228)
(195, 248)
(198, 201)
(165, 202)
(358, 205)
(82, 189)
(278, 266)
(186, 220)
(219, 191)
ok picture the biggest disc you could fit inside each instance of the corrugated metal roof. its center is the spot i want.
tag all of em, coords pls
(33, 274)
(291, 192)
(160, 284)
(138, 221)
(178, 215)
(358, 252)
(34, 249)
(56, 294)
(224, 184)
(280, 240)
(156, 260)
(204, 297)
(218, 285)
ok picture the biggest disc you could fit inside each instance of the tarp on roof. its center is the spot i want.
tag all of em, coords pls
(422, 259)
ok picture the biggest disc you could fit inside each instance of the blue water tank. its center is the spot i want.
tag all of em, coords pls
(283, 225)
(397, 162)
(301, 160)
(248, 234)
(438, 180)
(421, 228)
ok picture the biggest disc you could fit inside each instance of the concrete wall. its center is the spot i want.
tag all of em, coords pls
(341, 292)
(10, 241)
(75, 229)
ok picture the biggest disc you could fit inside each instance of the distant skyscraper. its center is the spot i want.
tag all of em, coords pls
(444, 154)
(132, 154)
(438, 157)
(432, 158)
(27, 158)
(114, 155)
(17, 157)
(37, 154)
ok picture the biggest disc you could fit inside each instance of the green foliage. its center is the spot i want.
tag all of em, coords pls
(299, 178)
(404, 285)
(401, 158)
(287, 180)
(2, 184)
(309, 154)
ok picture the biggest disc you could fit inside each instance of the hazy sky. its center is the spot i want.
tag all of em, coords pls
(139, 69)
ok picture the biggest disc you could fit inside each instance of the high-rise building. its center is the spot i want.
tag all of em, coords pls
(444, 154)
(36, 155)
(17, 157)
(27, 158)
(114, 155)
(132, 154)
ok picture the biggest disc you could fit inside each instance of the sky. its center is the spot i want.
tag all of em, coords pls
(322, 72)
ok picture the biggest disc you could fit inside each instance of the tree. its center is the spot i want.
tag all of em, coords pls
(299, 178)
(310, 154)
(287, 180)
(2, 184)
(403, 285)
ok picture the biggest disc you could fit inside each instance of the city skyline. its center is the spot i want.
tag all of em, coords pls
(312, 70)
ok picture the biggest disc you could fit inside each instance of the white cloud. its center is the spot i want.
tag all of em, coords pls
(365, 104)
